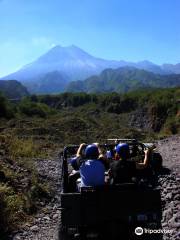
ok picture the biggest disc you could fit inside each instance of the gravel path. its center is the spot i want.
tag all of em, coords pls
(45, 225)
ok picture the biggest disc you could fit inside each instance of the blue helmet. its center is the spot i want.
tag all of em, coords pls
(123, 150)
(91, 151)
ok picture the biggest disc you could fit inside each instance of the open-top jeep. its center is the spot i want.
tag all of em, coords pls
(111, 211)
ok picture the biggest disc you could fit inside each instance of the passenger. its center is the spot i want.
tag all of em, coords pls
(110, 154)
(124, 170)
(91, 167)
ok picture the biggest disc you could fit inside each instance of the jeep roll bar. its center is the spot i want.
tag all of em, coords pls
(122, 139)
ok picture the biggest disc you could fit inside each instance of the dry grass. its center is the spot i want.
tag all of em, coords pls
(21, 189)
(11, 208)
(23, 148)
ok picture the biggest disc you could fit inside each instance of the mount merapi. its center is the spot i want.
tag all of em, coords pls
(53, 71)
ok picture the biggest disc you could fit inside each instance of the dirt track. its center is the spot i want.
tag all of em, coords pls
(45, 224)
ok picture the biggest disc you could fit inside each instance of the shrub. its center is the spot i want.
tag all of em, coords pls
(11, 208)
(34, 109)
(6, 109)
(171, 126)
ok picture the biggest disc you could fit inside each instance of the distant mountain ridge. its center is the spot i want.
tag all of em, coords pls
(171, 68)
(123, 80)
(13, 89)
(61, 65)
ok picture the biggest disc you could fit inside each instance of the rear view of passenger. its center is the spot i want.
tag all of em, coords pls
(124, 170)
(91, 168)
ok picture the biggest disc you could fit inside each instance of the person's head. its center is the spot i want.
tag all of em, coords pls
(122, 149)
(91, 151)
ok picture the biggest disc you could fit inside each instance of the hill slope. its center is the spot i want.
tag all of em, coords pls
(13, 89)
(52, 82)
(123, 80)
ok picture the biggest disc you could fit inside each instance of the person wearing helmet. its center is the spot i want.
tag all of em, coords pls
(90, 166)
(124, 170)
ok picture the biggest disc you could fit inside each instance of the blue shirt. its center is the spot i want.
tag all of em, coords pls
(92, 173)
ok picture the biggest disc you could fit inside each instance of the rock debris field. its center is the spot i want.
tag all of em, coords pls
(170, 186)
(45, 224)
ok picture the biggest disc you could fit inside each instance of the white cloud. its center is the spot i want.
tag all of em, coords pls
(53, 45)
(42, 41)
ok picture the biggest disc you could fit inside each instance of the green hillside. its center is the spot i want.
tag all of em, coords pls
(146, 109)
(123, 80)
(141, 110)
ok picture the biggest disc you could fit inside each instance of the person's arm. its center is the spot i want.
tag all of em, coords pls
(79, 151)
(76, 161)
(101, 155)
(145, 163)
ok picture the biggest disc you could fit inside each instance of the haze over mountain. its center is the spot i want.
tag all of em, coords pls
(51, 72)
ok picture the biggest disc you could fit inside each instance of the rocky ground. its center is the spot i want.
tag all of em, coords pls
(45, 224)
(170, 186)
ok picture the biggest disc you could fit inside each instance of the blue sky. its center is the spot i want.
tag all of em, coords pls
(131, 30)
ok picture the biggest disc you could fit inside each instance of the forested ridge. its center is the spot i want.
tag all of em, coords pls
(122, 80)
(157, 110)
